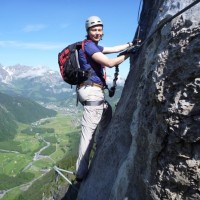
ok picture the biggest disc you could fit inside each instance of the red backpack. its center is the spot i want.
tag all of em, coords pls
(69, 64)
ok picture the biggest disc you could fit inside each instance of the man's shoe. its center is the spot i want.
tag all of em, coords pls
(79, 180)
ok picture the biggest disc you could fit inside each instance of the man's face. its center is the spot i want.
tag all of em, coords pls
(95, 33)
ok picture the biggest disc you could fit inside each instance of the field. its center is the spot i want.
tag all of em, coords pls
(35, 150)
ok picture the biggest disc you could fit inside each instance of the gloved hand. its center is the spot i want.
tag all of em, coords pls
(136, 41)
(133, 49)
(130, 50)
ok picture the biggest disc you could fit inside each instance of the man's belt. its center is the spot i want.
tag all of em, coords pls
(91, 84)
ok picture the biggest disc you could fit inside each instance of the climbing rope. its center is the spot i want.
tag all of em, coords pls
(164, 22)
(114, 85)
(113, 88)
(138, 43)
(138, 20)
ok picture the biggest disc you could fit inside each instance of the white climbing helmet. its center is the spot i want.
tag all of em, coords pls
(92, 21)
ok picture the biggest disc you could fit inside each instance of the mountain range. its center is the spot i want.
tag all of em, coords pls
(19, 109)
(26, 91)
(40, 84)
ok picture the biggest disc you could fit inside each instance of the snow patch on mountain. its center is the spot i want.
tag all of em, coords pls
(39, 83)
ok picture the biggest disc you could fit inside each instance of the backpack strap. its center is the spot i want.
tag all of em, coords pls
(103, 78)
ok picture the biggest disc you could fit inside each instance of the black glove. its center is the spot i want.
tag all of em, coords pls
(130, 50)
(136, 42)
(133, 49)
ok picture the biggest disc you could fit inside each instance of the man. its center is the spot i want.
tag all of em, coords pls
(97, 111)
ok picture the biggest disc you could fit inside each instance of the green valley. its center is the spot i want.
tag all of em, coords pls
(39, 129)
(33, 139)
(19, 109)
(27, 158)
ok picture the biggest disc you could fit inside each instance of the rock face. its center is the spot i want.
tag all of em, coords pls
(151, 149)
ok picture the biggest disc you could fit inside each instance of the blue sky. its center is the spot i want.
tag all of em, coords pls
(33, 32)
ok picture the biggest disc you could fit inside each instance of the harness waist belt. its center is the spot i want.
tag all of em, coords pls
(92, 103)
(91, 84)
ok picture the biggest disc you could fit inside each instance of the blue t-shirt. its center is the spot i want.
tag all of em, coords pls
(87, 63)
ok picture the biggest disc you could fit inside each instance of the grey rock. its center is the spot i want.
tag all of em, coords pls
(151, 149)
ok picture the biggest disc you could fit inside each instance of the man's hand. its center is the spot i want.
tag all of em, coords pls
(136, 42)
(133, 49)
(130, 50)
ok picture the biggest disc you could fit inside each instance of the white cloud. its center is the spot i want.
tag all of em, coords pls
(34, 27)
(31, 45)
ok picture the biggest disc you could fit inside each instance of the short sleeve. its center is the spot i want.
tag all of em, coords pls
(91, 48)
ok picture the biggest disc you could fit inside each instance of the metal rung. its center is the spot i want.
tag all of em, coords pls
(60, 173)
(63, 170)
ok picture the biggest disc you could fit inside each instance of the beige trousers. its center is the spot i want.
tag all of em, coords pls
(93, 117)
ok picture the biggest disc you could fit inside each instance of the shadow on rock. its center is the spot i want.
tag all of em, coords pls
(72, 192)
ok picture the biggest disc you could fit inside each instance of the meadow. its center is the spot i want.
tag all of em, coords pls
(34, 151)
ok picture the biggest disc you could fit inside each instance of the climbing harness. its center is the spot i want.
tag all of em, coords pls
(132, 49)
(113, 88)
(92, 103)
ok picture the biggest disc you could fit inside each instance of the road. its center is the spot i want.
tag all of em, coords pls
(36, 157)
